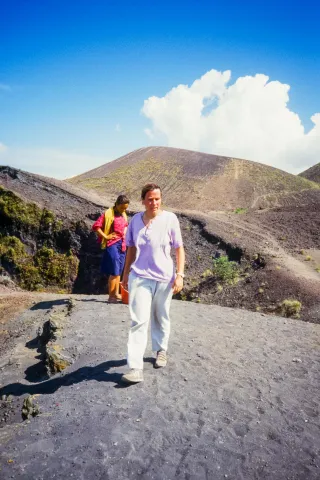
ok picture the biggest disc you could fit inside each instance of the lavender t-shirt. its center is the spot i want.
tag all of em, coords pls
(154, 243)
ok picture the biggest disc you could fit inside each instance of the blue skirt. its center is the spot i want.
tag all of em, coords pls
(113, 259)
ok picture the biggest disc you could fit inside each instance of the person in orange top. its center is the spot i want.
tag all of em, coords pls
(111, 227)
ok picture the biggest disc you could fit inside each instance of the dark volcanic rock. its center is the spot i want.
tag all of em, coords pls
(45, 219)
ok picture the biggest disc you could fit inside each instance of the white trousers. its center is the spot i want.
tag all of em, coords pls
(148, 299)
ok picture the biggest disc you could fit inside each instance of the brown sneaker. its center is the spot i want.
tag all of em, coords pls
(133, 376)
(161, 360)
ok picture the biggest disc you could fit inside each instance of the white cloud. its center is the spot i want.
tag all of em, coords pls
(118, 127)
(248, 119)
(149, 132)
(49, 162)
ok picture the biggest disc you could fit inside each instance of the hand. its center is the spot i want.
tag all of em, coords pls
(124, 281)
(111, 236)
(177, 284)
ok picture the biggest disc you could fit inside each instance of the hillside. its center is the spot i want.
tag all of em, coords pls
(46, 245)
(313, 173)
(64, 198)
(193, 180)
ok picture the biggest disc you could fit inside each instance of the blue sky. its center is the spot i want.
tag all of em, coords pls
(74, 76)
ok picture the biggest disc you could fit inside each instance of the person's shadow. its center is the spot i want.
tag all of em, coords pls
(98, 373)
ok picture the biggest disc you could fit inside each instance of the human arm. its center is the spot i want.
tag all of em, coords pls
(103, 225)
(130, 258)
(110, 236)
(177, 285)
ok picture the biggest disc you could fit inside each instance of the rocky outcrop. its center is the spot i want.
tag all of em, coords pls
(53, 359)
(42, 251)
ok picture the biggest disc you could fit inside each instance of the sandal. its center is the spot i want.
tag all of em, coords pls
(113, 300)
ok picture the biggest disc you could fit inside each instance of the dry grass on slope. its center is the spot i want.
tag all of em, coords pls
(193, 180)
(313, 173)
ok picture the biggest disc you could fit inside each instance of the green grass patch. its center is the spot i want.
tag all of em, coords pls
(14, 210)
(290, 308)
(240, 210)
(227, 271)
(44, 270)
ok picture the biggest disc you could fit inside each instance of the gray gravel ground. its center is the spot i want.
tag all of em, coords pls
(238, 400)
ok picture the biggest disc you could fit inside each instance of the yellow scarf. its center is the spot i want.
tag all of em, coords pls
(108, 221)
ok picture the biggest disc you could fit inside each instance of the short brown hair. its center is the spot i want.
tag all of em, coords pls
(148, 188)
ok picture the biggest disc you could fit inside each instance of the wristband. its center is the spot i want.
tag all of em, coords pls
(181, 274)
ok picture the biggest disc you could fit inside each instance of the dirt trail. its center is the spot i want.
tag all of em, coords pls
(255, 239)
(231, 404)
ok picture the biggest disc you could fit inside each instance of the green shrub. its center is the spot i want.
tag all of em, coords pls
(226, 270)
(290, 308)
(240, 210)
(29, 277)
(12, 249)
(47, 268)
(15, 209)
(206, 273)
(56, 268)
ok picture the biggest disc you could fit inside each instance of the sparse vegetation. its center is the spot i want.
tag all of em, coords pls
(240, 210)
(28, 215)
(12, 249)
(261, 185)
(207, 273)
(290, 308)
(46, 269)
(308, 258)
(227, 271)
(55, 268)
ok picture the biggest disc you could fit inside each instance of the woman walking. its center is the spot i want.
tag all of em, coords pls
(149, 272)
(111, 228)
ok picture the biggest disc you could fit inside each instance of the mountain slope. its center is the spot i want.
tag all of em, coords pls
(44, 236)
(57, 195)
(197, 180)
(313, 173)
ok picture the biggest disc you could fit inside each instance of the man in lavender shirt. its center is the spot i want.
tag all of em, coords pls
(149, 272)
